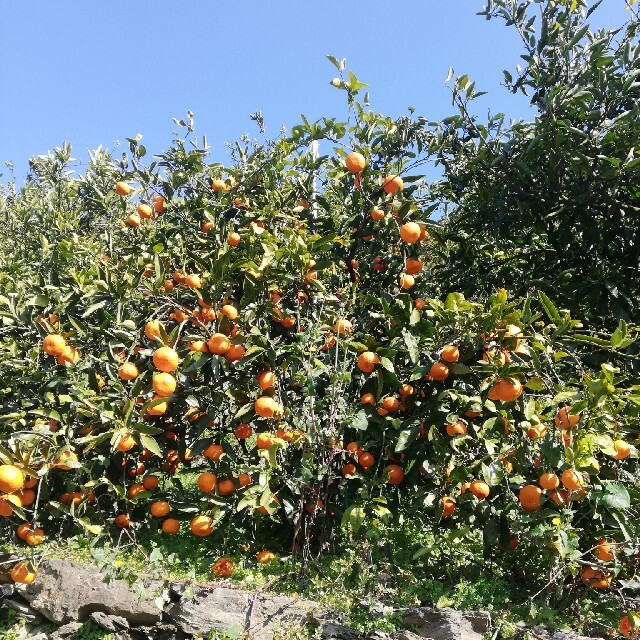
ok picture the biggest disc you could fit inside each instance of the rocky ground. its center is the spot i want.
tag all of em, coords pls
(67, 594)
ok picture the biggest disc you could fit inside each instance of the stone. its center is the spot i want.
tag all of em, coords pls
(67, 591)
(24, 611)
(335, 631)
(220, 609)
(162, 631)
(405, 635)
(107, 622)
(69, 630)
(7, 589)
(273, 611)
(443, 624)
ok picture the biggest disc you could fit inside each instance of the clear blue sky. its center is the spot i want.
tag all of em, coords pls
(93, 72)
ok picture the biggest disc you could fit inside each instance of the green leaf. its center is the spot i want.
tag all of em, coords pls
(360, 422)
(150, 443)
(614, 496)
(549, 307)
(412, 345)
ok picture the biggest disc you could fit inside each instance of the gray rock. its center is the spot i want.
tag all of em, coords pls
(7, 589)
(67, 591)
(157, 632)
(218, 609)
(335, 631)
(107, 622)
(67, 631)
(445, 624)
(278, 611)
(24, 611)
(405, 635)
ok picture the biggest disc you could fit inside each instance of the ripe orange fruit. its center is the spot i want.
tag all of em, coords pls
(265, 407)
(234, 239)
(144, 211)
(123, 189)
(64, 461)
(164, 384)
(530, 497)
(218, 344)
(226, 487)
(128, 371)
(450, 354)
(448, 506)
(355, 162)
(623, 449)
(207, 482)
(157, 409)
(629, 625)
(536, 431)
(457, 429)
(152, 329)
(229, 311)
(201, 526)
(264, 441)
(133, 220)
(439, 371)
(171, 525)
(512, 336)
(419, 303)
(413, 266)
(193, 281)
(199, 346)
(213, 452)
(377, 214)
(159, 204)
(236, 352)
(219, 185)
(126, 443)
(559, 496)
(122, 521)
(150, 482)
(480, 489)
(266, 379)
(349, 469)
(165, 359)
(571, 479)
(507, 390)
(565, 419)
(265, 557)
(368, 398)
(54, 345)
(243, 431)
(7, 502)
(406, 281)
(159, 509)
(391, 184)
(23, 573)
(223, 567)
(134, 490)
(11, 478)
(366, 460)
(595, 578)
(410, 232)
(605, 549)
(343, 326)
(394, 473)
(367, 361)
(390, 404)
(244, 479)
(274, 500)
(549, 481)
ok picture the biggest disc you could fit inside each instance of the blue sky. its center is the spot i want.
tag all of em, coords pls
(95, 72)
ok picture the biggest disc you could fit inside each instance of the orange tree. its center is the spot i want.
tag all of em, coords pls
(257, 352)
